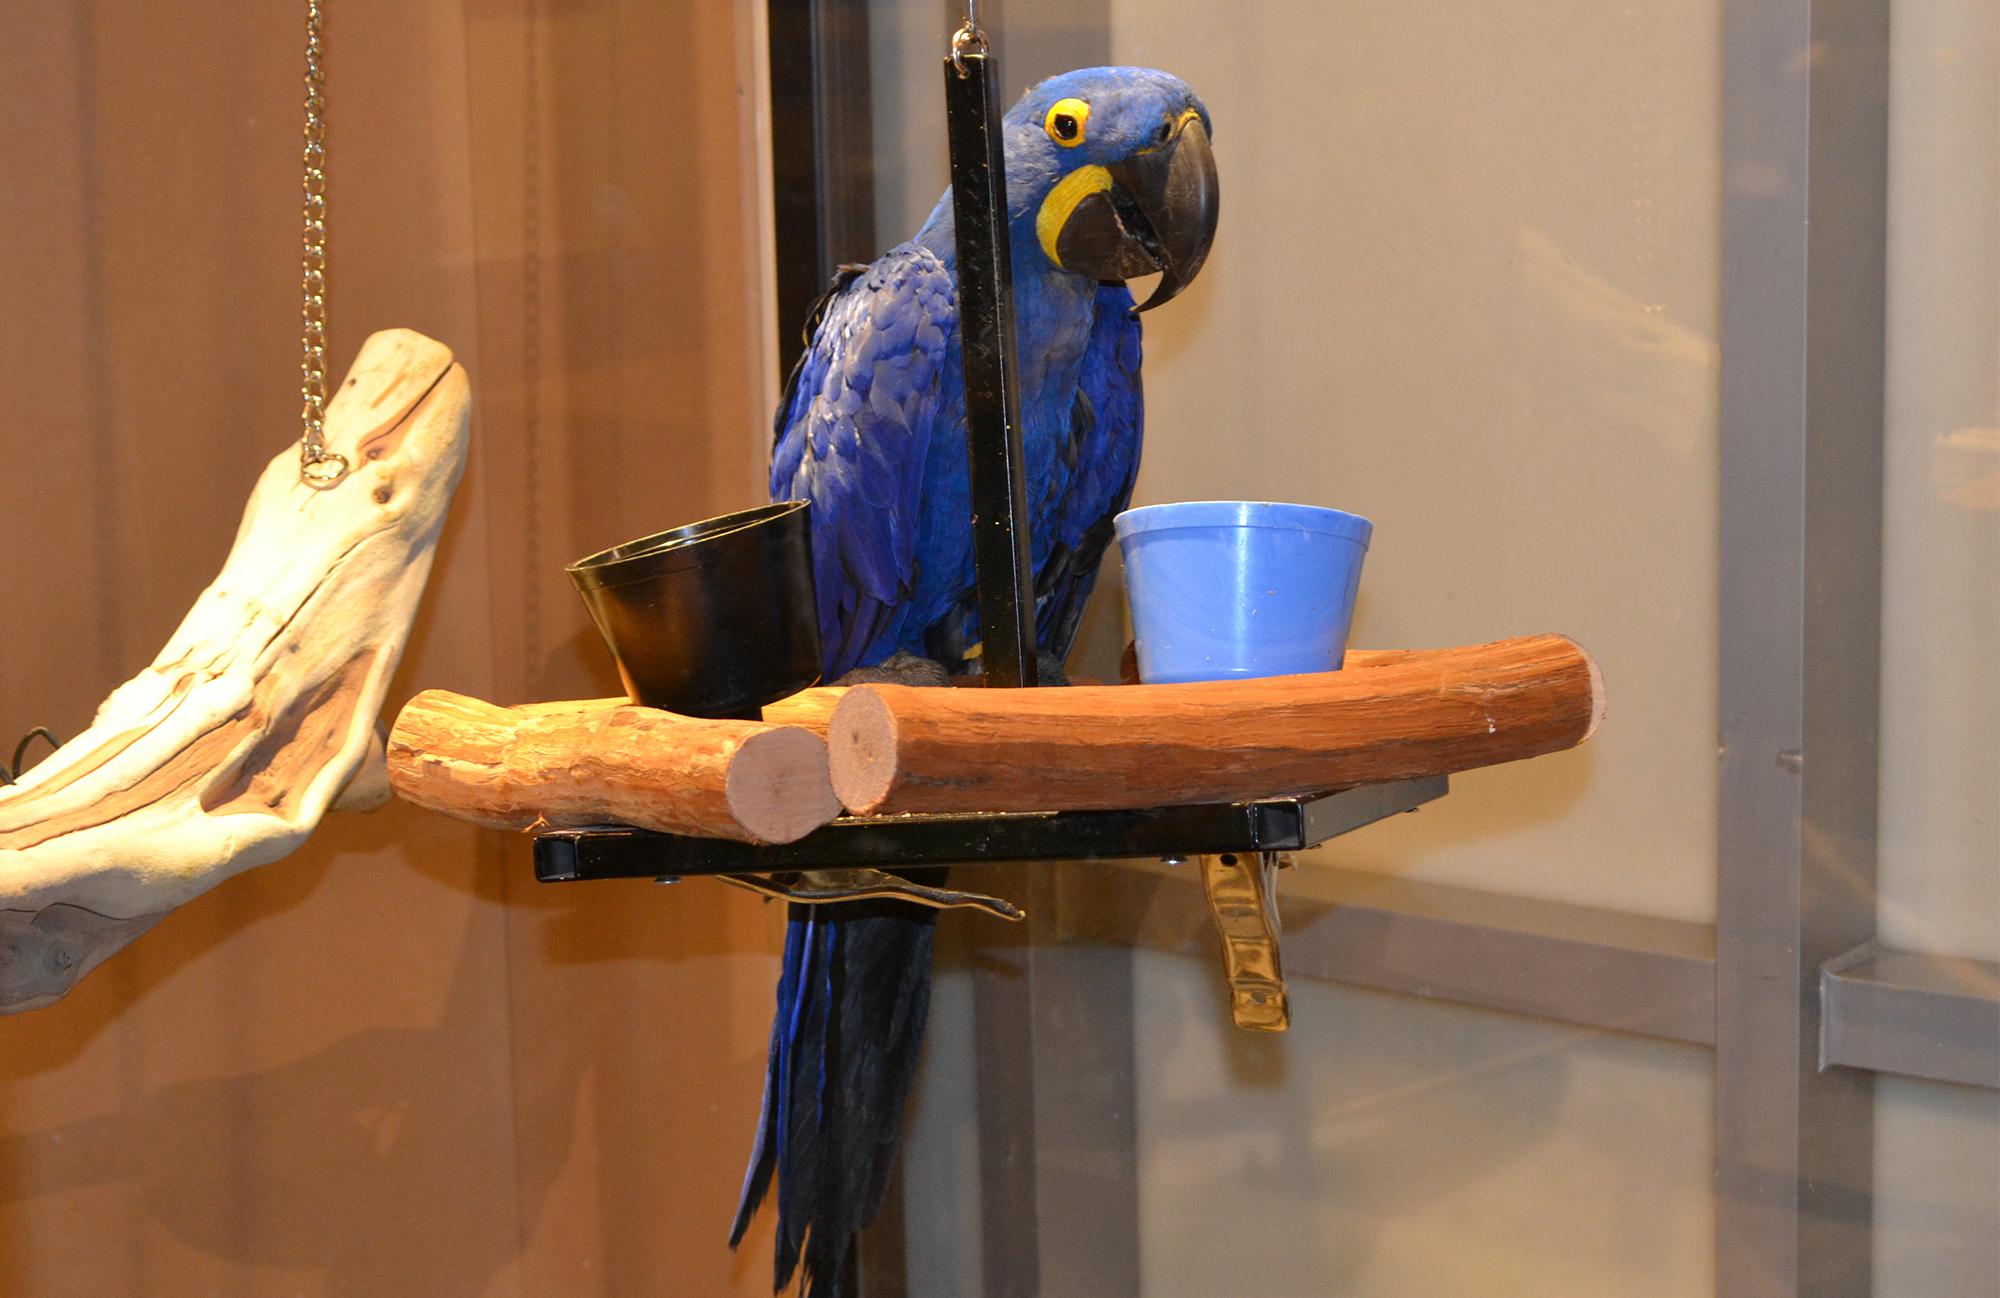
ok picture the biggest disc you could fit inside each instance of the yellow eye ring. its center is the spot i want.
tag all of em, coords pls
(1066, 120)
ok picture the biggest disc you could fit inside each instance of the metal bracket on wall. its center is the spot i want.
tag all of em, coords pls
(1931, 1016)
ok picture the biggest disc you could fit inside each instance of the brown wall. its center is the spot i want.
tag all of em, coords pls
(391, 1064)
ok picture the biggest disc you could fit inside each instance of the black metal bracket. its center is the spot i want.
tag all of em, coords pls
(896, 842)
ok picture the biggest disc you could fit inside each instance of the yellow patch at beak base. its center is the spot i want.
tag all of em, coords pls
(1062, 200)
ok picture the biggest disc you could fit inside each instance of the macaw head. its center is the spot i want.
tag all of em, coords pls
(1111, 171)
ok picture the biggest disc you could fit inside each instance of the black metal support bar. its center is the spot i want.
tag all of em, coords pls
(889, 842)
(992, 391)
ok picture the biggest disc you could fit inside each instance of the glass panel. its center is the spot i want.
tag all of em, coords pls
(1940, 871)
(1937, 1189)
(1386, 1147)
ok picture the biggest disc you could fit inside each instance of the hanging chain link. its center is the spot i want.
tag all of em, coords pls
(319, 468)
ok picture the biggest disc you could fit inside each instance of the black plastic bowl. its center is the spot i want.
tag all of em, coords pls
(714, 619)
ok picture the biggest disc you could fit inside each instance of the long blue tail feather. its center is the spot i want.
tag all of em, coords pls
(852, 1000)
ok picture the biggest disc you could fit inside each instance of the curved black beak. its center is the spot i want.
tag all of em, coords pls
(1159, 214)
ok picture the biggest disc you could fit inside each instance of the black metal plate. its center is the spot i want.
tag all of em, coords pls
(889, 842)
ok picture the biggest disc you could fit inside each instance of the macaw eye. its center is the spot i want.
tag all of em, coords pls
(1066, 120)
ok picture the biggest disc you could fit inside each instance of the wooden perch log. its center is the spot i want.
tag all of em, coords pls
(260, 712)
(895, 749)
(594, 762)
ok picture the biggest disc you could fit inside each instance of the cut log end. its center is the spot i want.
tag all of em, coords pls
(1598, 703)
(777, 785)
(862, 739)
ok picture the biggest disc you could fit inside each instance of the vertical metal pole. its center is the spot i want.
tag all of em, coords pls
(1805, 198)
(992, 387)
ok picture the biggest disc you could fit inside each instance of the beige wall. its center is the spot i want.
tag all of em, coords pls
(391, 1064)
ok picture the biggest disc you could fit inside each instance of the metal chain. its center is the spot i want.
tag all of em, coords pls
(319, 468)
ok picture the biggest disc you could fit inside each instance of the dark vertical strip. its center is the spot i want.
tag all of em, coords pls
(992, 388)
(1004, 1014)
(1805, 185)
(844, 135)
(1086, 1101)
(794, 170)
(822, 153)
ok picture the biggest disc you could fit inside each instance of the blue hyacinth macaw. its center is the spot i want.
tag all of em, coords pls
(1109, 176)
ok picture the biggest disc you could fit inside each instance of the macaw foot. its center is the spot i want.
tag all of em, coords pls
(909, 669)
(899, 669)
(1048, 671)
(816, 887)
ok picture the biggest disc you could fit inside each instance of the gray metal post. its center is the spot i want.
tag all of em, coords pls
(1805, 196)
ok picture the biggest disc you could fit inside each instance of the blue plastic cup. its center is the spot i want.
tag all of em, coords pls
(1222, 589)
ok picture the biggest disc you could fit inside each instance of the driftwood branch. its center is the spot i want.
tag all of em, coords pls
(603, 761)
(260, 712)
(895, 749)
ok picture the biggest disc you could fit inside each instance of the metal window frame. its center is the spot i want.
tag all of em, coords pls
(1789, 989)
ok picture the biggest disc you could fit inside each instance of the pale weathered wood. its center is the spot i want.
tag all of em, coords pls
(895, 749)
(260, 712)
(598, 761)
(812, 709)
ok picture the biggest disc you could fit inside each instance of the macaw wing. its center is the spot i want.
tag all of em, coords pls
(853, 431)
(1106, 424)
